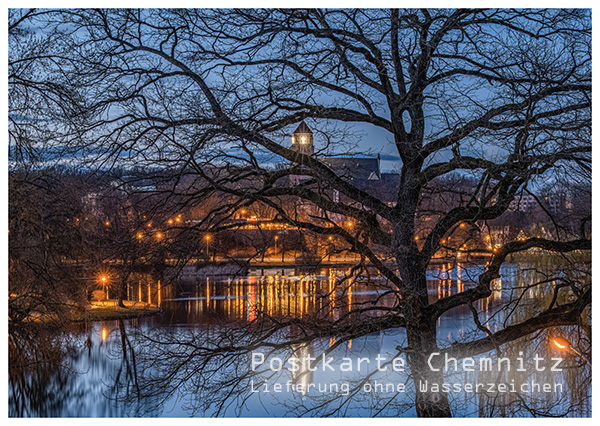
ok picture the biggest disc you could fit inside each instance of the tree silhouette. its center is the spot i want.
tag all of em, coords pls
(502, 97)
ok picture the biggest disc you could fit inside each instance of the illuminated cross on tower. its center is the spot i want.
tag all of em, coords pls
(302, 140)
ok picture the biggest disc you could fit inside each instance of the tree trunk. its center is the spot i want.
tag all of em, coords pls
(421, 336)
(122, 292)
(430, 401)
(123, 286)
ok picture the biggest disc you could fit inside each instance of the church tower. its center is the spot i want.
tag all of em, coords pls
(302, 140)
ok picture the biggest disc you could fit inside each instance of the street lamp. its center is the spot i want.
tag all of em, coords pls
(564, 345)
(207, 238)
(104, 280)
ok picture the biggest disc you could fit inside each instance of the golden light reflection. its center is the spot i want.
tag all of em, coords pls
(158, 292)
(331, 292)
(207, 292)
(247, 298)
(350, 297)
(497, 288)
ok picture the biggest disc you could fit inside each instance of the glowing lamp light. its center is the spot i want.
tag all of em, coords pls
(564, 345)
(561, 343)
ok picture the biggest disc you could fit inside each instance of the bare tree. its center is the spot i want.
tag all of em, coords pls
(503, 96)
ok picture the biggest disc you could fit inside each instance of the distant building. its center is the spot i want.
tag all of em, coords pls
(363, 172)
(302, 140)
(523, 203)
(90, 202)
(555, 200)
(559, 200)
(353, 169)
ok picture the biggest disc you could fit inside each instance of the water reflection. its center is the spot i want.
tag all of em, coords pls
(325, 293)
(153, 366)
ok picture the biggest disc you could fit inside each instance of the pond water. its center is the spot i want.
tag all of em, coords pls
(154, 366)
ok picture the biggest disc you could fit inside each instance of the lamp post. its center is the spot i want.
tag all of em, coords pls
(207, 238)
(564, 345)
(103, 280)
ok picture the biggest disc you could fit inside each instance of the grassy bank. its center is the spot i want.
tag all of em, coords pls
(109, 310)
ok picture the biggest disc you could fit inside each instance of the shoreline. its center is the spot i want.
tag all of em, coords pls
(107, 310)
